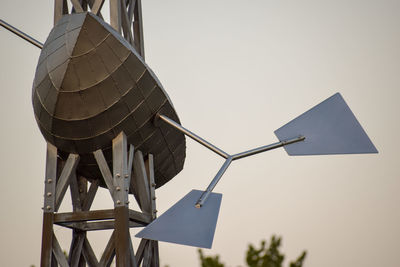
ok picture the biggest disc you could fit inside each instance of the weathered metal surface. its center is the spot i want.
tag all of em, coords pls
(79, 216)
(122, 236)
(58, 253)
(75, 251)
(64, 179)
(109, 252)
(90, 84)
(140, 251)
(47, 239)
(120, 163)
(49, 203)
(89, 255)
(141, 182)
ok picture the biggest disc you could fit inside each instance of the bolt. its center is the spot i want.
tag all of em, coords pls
(118, 188)
(126, 176)
(127, 202)
(48, 207)
(49, 181)
(118, 202)
(155, 211)
(154, 198)
(49, 194)
(153, 185)
(118, 175)
(80, 191)
(126, 189)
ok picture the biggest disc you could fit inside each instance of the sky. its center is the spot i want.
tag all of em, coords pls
(235, 72)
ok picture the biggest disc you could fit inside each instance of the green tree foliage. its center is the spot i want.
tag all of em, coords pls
(258, 257)
(209, 261)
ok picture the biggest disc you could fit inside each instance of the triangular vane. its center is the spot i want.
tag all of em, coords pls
(185, 224)
(329, 128)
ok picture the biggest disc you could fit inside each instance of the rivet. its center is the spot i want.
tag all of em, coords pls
(80, 191)
(118, 202)
(126, 189)
(155, 211)
(48, 207)
(126, 176)
(154, 198)
(49, 194)
(127, 202)
(118, 188)
(153, 184)
(118, 175)
(50, 181)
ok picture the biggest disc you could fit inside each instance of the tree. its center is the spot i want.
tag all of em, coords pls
(209, 261)
(261, 257)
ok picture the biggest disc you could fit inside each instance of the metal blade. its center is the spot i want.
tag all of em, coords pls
(185, 224)
(329, 128)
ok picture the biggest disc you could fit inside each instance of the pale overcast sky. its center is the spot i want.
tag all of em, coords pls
(236, 71)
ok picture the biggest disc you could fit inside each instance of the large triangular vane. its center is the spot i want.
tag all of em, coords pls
(329, 128)
(185, 224)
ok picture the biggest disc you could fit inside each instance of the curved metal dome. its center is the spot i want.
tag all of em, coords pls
(90, 84)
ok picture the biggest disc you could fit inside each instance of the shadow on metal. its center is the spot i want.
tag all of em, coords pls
(185, 224)
(330, 128)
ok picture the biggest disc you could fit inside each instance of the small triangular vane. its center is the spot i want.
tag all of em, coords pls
(185, 224)
(329, 128)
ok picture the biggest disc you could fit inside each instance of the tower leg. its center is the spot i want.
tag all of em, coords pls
(121, 210)
(61, 174)
(49, 204)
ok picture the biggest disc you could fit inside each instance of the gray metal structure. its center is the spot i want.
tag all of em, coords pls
(328, 128)
(61, 175)
(90, 84)
(96, 101)
(91, 88)
(185, 224)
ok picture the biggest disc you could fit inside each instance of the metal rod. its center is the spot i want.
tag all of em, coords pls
(213, 183)
(261, 149)
(229, 158)
(241, 155)
(21, 34)
(194, 136)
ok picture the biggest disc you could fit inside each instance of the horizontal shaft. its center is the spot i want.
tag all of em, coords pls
(261, 149)
(21, 34)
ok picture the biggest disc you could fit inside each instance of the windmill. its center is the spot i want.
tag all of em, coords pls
(292, 136)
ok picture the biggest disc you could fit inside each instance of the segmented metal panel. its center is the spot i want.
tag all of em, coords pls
(90, 84)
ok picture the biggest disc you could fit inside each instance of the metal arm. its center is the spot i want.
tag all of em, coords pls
(241, 155)
(261, 149)
(229, 158)
(194, 136)
(21, 34)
